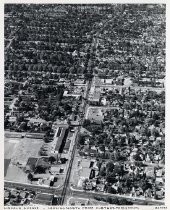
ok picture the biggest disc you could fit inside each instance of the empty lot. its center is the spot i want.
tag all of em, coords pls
(18, 150)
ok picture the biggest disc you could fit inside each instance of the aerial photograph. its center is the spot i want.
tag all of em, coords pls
(84, 104)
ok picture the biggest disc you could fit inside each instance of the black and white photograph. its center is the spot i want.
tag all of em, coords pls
(84, 104)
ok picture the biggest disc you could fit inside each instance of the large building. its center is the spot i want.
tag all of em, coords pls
(61, 139)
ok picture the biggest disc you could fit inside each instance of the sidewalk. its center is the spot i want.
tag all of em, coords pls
(118, 196)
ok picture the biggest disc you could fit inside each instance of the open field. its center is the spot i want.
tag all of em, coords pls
(77, 201)
(10, 146)
(18, 150)
(6, 164)
(94, 114)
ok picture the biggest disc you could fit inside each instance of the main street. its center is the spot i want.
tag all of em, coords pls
(66, 183)
(66, 187)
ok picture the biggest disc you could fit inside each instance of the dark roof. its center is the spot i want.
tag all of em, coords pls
(60, 138)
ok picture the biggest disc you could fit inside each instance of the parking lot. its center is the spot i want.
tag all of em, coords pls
(80, 171)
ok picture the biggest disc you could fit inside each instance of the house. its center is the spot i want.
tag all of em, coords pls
(159, 173)
(104, 102)
(159, 180)
(95, 98)
(93, 151)
(76, 95)
(100, 187)
(89, 186)
(12, 119)
(160, 194)
(54, 170)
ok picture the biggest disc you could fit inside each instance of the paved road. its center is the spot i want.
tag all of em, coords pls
(135, 200)
(14, 81)
(66, 189)
(132, 87)
(66, 183)
(9, 44)
(36, 188)
(11, 38)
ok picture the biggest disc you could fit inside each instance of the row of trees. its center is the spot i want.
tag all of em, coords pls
(114, 200)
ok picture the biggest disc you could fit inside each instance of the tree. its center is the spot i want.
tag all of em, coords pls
(112, 190)
(6, 121)
(52, 159)
(30, 176)
(85, 182)
(110, 166)
(88, 76)
(63, 160)
(20, 118)
(111, 178)
(122, 201)
(99, 164)
(86, 122)
(102, 171)
(18, 198)
(97, 198)
(41, 169)
(81, 139)
(112, 200)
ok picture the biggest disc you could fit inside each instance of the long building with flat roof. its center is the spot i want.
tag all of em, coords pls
(62, 136)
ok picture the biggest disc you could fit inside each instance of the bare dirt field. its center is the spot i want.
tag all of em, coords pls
(18, 150)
